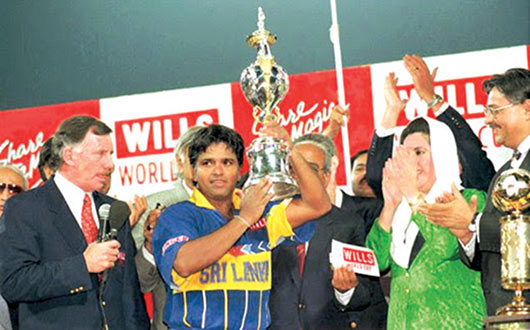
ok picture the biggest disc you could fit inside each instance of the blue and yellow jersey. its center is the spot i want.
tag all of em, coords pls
(233, 292)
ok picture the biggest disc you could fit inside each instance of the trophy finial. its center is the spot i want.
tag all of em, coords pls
(261, 38)
(261, 19)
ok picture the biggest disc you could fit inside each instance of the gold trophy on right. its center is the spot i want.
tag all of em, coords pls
(511, 193)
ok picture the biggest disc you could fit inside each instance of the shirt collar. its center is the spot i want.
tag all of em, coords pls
(189, 191)
(73, 195)
(338, 197)
(69, 189)
(524, 146)
(200, 200)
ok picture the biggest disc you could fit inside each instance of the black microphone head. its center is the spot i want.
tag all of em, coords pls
(104, 212)
(119, 213)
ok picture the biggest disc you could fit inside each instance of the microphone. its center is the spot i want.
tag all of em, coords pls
(118, 215)
(103, 212)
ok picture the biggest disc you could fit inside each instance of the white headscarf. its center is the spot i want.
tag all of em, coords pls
(446, 168)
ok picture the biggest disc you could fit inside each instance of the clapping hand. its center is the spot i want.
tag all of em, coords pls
(453, 212)
(421, 76)
(394, 103)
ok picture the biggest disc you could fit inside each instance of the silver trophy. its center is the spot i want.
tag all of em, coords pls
(511, 193)
(264, 84)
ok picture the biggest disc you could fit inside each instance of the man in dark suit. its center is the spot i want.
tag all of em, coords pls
(508, 114)
(50, 257)
(320, 298)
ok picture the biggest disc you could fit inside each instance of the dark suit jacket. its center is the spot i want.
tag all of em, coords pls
(44, 270)
(309, 302)
(367, 208)
(477, 169)
(487, 257)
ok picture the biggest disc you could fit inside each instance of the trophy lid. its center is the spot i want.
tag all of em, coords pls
(264, 83)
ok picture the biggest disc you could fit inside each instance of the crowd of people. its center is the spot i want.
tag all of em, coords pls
(216, 256)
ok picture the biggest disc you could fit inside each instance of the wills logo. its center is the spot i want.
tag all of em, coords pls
(465, 95)
(157, 135)
(358, 256)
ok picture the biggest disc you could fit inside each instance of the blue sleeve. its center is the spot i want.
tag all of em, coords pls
(176, 226)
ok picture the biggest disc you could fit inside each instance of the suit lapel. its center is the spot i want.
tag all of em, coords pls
(63, 219)
(526, 162)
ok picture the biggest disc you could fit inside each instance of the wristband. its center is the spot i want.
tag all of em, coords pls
(436, 99)
(242, 220)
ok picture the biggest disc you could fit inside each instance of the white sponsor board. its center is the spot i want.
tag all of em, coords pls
(146, 128)
(360, 258)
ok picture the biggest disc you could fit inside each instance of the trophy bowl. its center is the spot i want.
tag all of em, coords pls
(511, 193)
(268, 157)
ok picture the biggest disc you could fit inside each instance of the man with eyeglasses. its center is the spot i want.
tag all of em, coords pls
(12, 182)
(508, 114)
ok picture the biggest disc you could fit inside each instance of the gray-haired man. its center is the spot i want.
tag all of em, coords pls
(306, 293)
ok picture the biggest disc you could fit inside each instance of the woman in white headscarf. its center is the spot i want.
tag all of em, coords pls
(431, 287)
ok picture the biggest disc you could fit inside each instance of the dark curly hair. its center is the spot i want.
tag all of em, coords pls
(216, 134)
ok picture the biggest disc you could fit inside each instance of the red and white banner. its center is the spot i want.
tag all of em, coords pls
(146, 126)
(24, 131)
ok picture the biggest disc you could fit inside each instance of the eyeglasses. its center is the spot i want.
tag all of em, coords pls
(489, 110)
(13, 189)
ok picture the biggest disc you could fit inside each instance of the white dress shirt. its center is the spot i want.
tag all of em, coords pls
(74, 196)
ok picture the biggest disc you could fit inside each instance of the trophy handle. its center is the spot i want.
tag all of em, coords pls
(255, 112)
(276, 113)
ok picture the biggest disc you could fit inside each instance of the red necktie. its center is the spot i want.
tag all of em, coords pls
(88, 224)
(300, 249)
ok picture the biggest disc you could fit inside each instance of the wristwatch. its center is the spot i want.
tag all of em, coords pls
(435, 100)
(472, 227)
